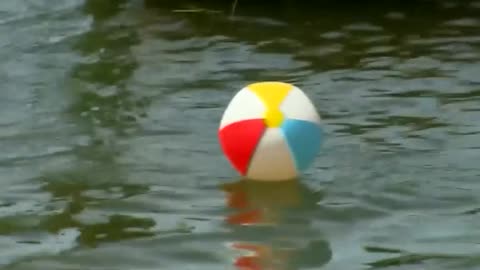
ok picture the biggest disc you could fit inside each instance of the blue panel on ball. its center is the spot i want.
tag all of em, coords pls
(304, 139)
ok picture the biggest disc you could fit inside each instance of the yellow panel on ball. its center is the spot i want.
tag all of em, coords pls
(272, 95)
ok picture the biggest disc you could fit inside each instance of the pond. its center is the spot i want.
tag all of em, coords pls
(109, 157)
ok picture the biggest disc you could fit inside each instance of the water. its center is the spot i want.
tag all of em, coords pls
(109, 156)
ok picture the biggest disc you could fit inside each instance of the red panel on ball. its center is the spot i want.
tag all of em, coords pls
(239, 140)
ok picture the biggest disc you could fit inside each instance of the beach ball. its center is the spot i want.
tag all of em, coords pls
(270, 131)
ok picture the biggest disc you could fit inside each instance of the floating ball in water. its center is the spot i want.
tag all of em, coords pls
(270, 131)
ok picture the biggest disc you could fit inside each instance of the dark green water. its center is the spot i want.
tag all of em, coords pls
(109, 156)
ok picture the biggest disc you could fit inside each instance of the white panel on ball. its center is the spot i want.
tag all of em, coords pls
(272, 158)
(243, 106)
(297, 105)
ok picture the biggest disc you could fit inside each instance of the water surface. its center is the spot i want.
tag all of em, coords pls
(109, 157)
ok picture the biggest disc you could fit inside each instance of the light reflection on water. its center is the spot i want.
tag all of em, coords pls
(281, 211)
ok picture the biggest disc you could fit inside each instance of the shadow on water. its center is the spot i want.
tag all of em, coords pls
(278, 23)
(102, 97)
(271, 225)
(106, 110)
(78, 193)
